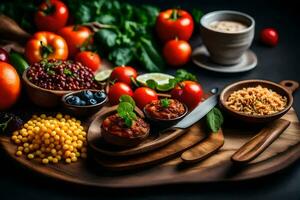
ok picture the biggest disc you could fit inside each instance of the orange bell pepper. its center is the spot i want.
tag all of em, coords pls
(46, 45)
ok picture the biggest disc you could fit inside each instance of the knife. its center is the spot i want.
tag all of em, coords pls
(200, 111)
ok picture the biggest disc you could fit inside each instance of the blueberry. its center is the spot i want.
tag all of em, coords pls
(92, 102)
(82, 103)
(100, 96)
(73, 100)
(87, 95)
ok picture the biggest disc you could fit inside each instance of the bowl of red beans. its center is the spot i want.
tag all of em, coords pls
(48, 80)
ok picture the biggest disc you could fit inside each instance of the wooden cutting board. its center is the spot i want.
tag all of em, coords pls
(218, 167)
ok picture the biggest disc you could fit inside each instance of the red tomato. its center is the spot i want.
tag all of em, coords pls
(116, 91)
(90, 59)
(4, 55)
(51, 16)
(188, 92)
(177, 52)
(123, 74)
(174, 23)
(269, 36)
(76, 37)
(143, 95)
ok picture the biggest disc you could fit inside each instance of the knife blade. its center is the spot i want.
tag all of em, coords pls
(200, 111)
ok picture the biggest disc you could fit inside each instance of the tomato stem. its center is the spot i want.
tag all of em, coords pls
(50, 9)
(46, 50)
(174, 14)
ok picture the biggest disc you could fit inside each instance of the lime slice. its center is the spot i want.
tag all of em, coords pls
(164, 87)
(160, 78)
(103, 75)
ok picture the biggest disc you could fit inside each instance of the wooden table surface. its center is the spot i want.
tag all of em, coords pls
(274, 64)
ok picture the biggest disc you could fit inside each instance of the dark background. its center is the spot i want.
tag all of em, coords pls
(274, 64)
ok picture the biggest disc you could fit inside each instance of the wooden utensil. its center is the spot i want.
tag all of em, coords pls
(204, 149)
(260, 142)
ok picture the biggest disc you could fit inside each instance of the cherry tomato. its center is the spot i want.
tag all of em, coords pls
(90, 59)
(143, 95)
(51, 16)
(76, 37)
(188, 92)
(4, 55)
(174, 23)
(123, 74)
(116, 91)
(269, 36)
(177, 52)
(46, 45)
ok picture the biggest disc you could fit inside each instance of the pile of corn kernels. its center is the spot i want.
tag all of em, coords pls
(51, 139)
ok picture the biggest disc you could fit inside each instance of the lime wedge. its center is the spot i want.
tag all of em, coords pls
(164, 87)
(160, 78)
(103, 75)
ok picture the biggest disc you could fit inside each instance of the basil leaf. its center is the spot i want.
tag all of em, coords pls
(127, 98)
(214, 119)
(197, 14)
(183, 75)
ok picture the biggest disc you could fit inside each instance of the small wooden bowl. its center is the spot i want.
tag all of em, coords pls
(285, 88)
(123, 141)
(164, 123)
(40, 96)
(80, 111)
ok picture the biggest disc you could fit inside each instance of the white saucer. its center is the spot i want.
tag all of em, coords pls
(201, 58)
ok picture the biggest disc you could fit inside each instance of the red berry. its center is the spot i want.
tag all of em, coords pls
(269, 36)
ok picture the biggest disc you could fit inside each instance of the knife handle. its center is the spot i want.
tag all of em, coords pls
(204, 149)
(260, 142)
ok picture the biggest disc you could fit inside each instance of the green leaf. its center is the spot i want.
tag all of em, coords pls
(121, 56)
(106, 37)
(197, 14)
(106, 19)
(127, 98)
(183, 75)
(214, 119)
(83, 14)
(151, 84)
(151, 12)
(165, 102)
(128, 122)
(153, 53)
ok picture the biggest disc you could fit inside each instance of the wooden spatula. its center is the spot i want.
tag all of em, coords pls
(260, 142)
(204, 149)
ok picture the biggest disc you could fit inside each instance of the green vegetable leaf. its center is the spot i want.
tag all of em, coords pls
(128, 99)
(68, 72)
(106, 19)
(126, 112)
(106, 37)
(197, 14)
(151, 12)
(214, 119)
(151, 57)
(121, 56)
(183, 75)
(83, 14)
(165, 102)
(151, 84)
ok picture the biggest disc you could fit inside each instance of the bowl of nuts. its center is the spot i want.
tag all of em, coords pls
(258, 101)
(47, 81)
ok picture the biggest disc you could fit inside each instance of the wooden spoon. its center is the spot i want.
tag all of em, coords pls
(260, 142)
(204, 149)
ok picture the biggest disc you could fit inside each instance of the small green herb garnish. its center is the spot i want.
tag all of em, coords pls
(214, 119)
(165, 102)
(151, 84)
(68, 72)
(126, 110)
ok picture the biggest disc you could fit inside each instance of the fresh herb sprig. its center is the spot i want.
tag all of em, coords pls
(126, 110)
(214, 119)
(165, 102)
(180, 75)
